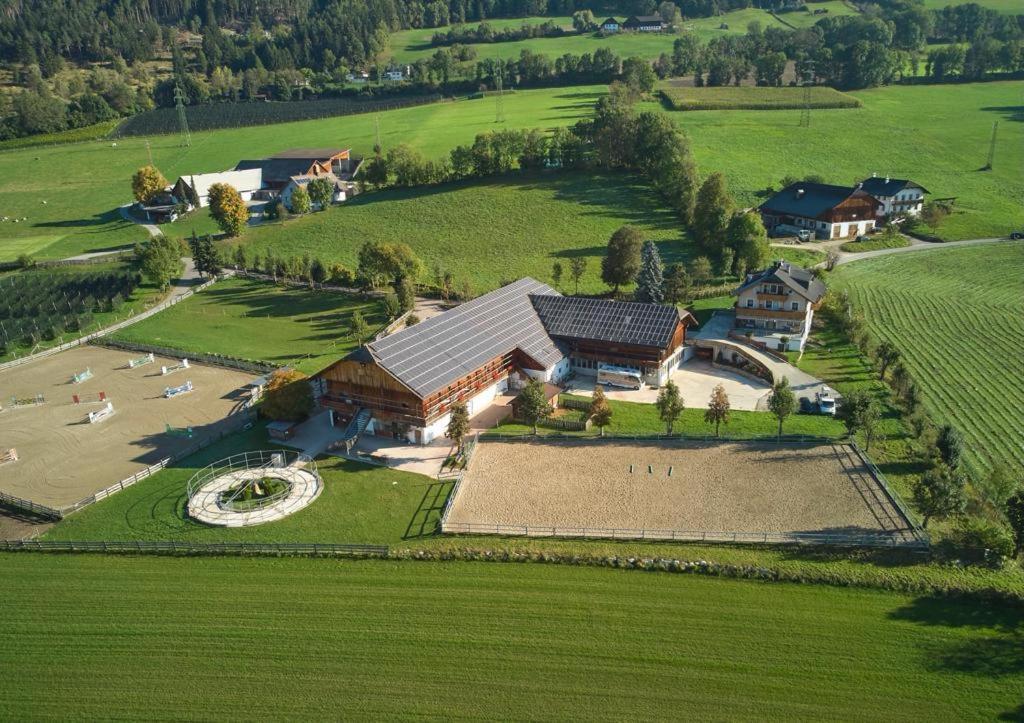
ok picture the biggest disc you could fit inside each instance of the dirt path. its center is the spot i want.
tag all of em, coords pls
(916, 244)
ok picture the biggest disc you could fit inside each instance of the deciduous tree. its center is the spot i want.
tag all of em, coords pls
(782, 402)
(622, 261)
(950, 444)
(712, 213)
(600, 410)
(228, 209)
(288, 396)
(677, 284)
(321, 192)
(577, 267)
(300, 203)
(381, 262)
(669, 404)
(458, 424)
(717, 412)
(147, 182)
(939, 493)
(533, 405)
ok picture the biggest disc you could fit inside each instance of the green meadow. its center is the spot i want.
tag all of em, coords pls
(259, 321)
(81, 212)
(87, 637)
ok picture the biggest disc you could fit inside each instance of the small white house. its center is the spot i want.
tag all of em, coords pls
(247, 183)
(341, 189)
(775, 306)
(898, 197)
(610, 25)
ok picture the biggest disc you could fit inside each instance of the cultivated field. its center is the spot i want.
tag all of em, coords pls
(259, 321)
(95, 177)
(937, 135)
(713, 487)
(754, 98)
(174, 638)
(63, 458)
(957, 316)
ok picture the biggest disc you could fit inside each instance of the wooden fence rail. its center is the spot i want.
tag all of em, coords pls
(173, 547)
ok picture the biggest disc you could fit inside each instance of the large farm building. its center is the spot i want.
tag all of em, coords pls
(409, 380)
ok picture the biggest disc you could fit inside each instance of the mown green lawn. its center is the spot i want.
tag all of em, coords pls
(491, 230)
(874, 244)
(259, 321)
(95, 176)
(935, 135)
(957, 317)
(635, 418)
(93, 637)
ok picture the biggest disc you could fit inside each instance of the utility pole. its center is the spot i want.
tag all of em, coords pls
(179, 104)
(808, 80)
(499, 100)
(992, 147)
(149, 152)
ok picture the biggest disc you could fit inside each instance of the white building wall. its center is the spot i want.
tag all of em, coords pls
(474, 405)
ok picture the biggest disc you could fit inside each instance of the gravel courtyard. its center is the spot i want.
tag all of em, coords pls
(713, 488)
(62, 458)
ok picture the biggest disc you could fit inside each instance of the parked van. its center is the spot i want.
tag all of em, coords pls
(613, 376)
(784, 229)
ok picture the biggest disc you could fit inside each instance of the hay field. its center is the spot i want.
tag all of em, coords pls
(714, 487)
(63, 458)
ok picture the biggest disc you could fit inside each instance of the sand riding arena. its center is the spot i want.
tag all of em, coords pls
(62, 458)
(715, 491)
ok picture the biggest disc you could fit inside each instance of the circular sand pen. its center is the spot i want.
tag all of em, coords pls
(253, 488)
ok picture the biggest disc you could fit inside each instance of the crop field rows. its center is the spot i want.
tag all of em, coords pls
(960, 329)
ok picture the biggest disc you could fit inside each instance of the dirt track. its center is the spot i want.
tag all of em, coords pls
(713, 487)
(62, 459)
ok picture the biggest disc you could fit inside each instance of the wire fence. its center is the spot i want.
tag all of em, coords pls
(709, 437)
(220, 360)
(172, 547)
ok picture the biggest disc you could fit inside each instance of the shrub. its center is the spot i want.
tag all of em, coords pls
(980, 541)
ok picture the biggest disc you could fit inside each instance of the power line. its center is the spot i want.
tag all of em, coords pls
(499, 100)
(808, 77)
(992, 147)
(179, 104)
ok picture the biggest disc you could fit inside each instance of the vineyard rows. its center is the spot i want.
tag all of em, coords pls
(37, 306)
(960, 328)
(212, 116)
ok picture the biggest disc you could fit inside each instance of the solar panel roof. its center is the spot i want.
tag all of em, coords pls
(622, 322)
(435, 353)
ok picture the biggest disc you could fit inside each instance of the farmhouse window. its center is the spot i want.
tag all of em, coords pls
(750, 303)
(793, 306)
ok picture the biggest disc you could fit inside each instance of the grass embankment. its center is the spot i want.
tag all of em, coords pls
(875, 243)
(259, 321)
(77, 135)
(380, 640)
(94, 177)
(634, 418)
(491, 230)
(145, 296)
(957, 317)
(754, 98)
(937, 136)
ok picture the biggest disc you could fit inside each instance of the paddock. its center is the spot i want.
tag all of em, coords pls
(742, 491)
(62, 458)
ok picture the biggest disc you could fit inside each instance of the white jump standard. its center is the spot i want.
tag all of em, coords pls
(100, 414)
(81, 376)
(178, 391)
(8, 455)
(164, 371)
(133, 363)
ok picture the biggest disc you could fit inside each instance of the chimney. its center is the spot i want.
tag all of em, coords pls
(799, 193)
(886, 179)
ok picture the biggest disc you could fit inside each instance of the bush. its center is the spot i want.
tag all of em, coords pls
(980, 541)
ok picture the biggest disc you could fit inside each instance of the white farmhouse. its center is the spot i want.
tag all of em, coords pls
(898, 197)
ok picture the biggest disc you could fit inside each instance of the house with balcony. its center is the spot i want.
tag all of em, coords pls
(644, 24)
(898, 198)
(774, 307)
(828, 211)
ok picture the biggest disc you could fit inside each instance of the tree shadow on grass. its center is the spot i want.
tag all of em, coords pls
(1007, 112)
(425, 520)
(99, 219)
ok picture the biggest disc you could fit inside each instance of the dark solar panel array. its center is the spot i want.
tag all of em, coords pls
(435, 353)
(618, 322)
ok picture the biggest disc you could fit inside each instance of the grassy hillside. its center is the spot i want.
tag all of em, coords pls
(385, 640)
(936, 135)
(754, 98)
(80, 212)
(259, 321)
(957, 316)
(488, 231)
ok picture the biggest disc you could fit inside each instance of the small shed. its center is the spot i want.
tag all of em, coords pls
(551, 393)
(282, 429)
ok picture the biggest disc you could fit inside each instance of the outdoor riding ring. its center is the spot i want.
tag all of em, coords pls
(253, 488)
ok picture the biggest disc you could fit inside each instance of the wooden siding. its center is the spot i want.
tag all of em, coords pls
(854, 208)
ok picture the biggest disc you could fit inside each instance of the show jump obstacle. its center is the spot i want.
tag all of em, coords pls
(178, 431)
(27, 401)
(100, 414)
(133, 363)
(99, 398)
(82, 376)
(176, 391)
(177, 367)
(8, 455)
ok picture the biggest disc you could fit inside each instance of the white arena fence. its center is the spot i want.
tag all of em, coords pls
(107, 330)
(267, 459)
(172, 547)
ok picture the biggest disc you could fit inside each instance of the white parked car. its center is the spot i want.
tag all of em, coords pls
(826, 401)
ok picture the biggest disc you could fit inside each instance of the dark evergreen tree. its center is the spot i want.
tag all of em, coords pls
(650, 280)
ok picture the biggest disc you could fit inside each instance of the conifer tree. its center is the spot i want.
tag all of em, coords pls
(650, 284)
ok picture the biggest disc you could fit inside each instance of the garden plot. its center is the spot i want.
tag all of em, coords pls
(62, 458)
(674, 489)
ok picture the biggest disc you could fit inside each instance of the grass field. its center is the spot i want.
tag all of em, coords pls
(936, 135)
(875, 243)
(81, 212)
(957, 316)
(259, 321)
(212, 638)
(491, 230)
(754, 98)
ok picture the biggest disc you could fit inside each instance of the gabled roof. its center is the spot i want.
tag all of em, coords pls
(240, 180)
(306, 178)
(810, 200)
(644, 20)
(615, 322)
(796, 278)
(277, 170)
(431, 355)
(609, 21)
(883, 187)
